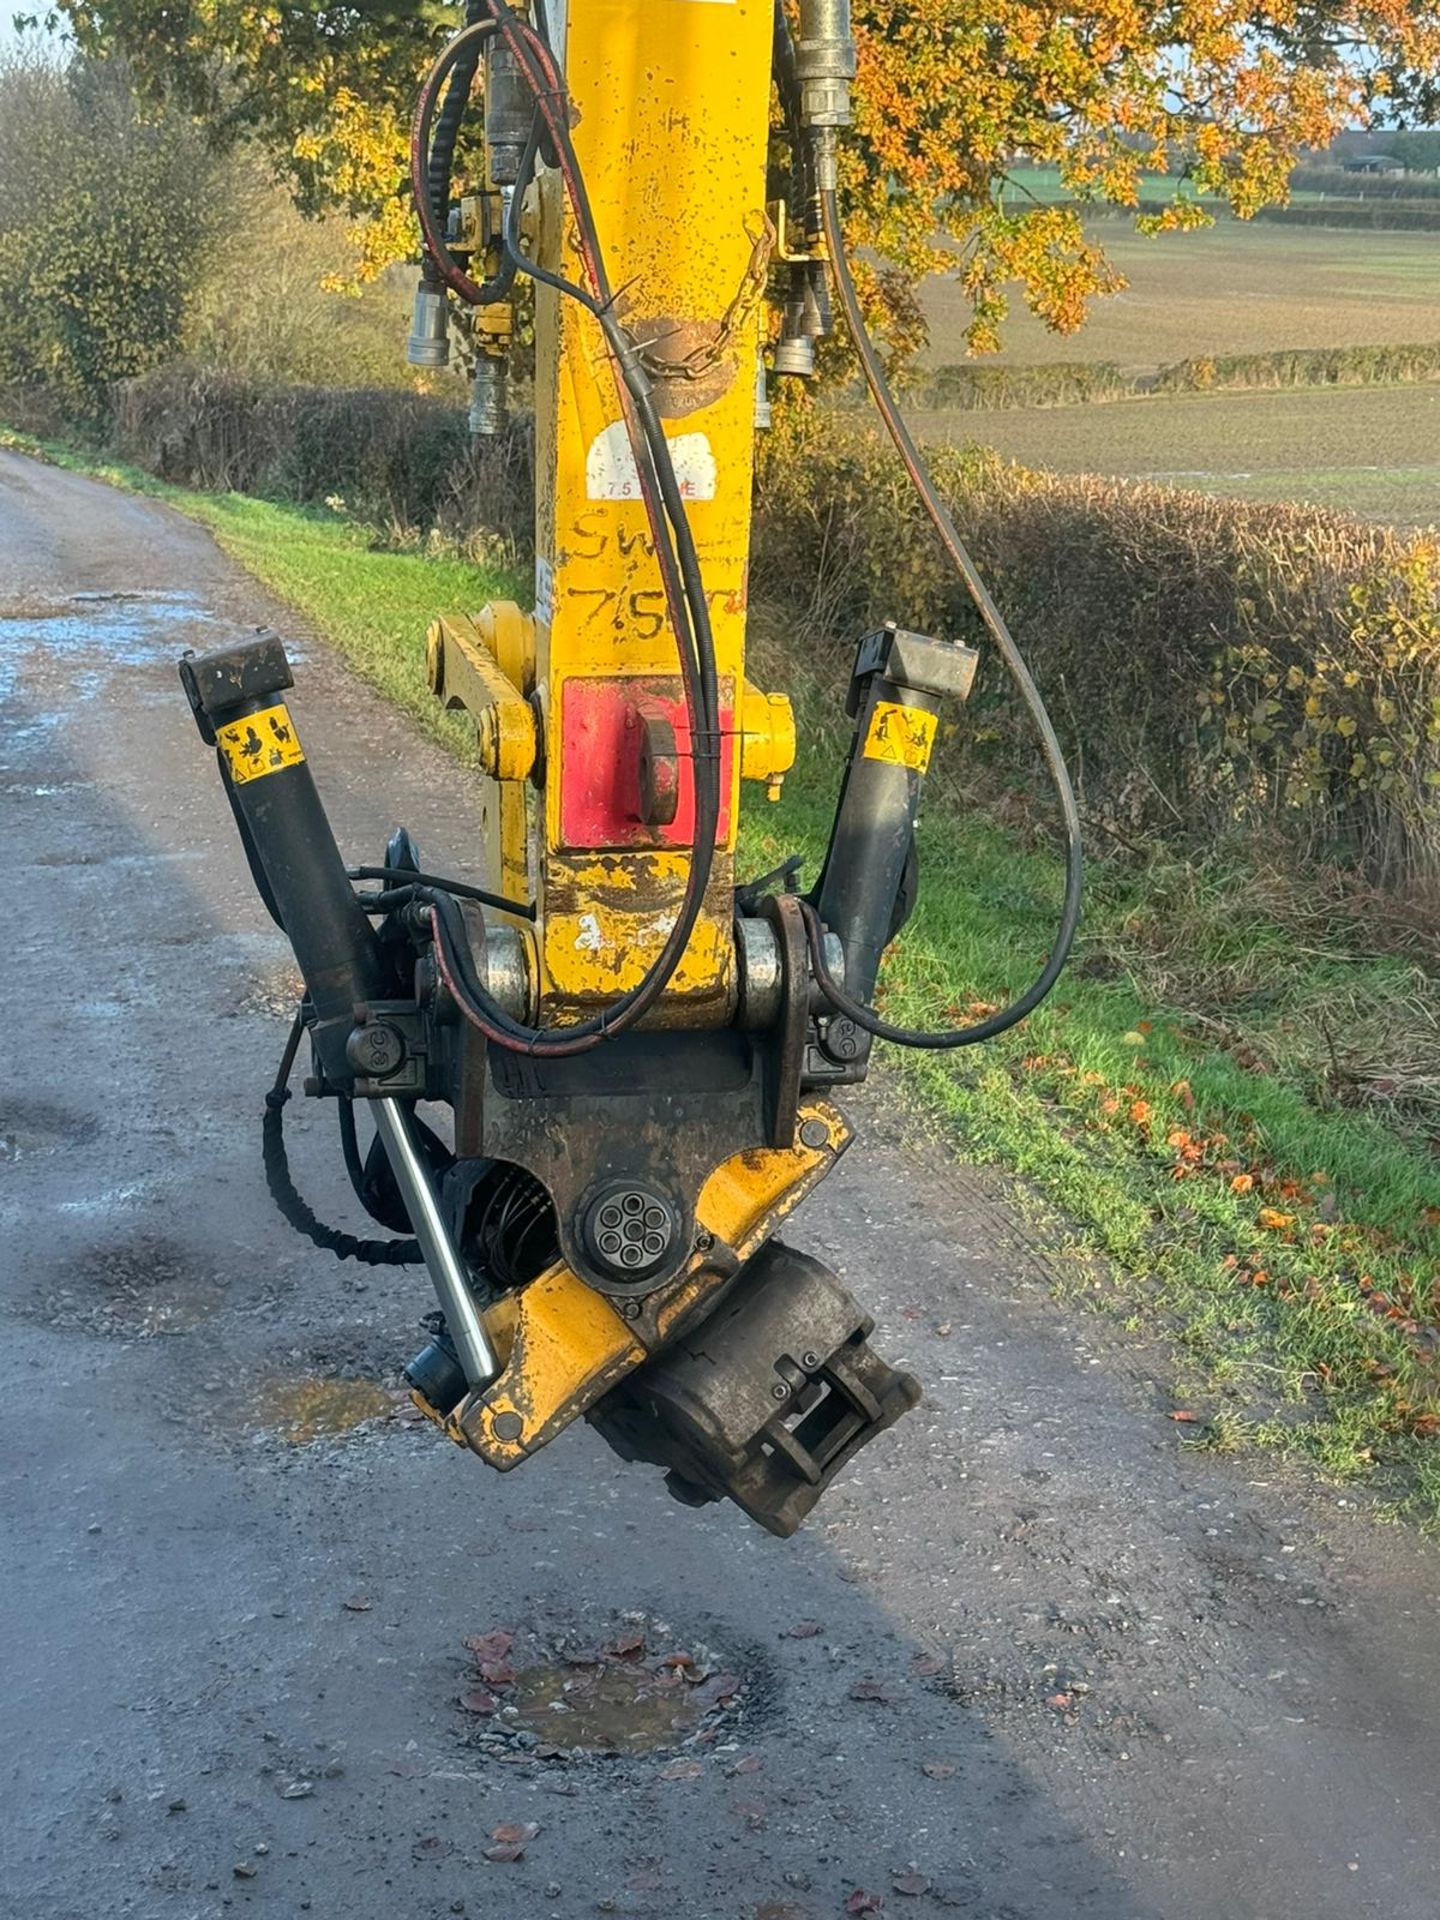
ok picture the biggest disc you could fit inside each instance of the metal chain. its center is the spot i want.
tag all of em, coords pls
(748, 295)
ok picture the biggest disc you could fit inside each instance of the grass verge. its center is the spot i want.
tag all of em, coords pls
(1228, 1111)
(1203, 1113)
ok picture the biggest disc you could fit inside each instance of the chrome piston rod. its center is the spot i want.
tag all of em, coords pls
(478, 1358)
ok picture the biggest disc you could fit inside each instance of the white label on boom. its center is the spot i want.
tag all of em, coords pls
(610, 472)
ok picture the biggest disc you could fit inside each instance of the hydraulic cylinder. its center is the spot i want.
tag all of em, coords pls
(236, 694)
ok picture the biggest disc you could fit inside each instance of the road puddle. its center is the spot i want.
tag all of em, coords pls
(634, 1689)
(31, 1127)
(616, 1707)
(128, 630)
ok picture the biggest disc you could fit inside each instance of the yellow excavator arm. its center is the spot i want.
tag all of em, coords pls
(641, 1054)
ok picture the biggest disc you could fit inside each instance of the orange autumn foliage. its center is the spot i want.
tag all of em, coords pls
(1217, 95)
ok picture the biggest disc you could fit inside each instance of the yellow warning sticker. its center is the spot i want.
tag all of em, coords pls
(261, 743)
(903, 736)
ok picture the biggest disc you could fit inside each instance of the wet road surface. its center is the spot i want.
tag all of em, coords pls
(1033, 1660)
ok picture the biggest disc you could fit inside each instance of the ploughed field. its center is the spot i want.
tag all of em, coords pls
(1233, 289)
(1373, 451)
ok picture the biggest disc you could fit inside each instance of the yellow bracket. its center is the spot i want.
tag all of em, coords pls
(566, 1345)
(767, 738)
(810, 246)
(463, 664)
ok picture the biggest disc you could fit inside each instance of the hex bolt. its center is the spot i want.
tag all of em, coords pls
(630, 1309)
(779, 1391)
(810, 1361)
(704, 1242)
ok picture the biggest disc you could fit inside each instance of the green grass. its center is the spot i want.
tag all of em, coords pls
(1405, 497)
(1024, 183)
(1200, 1103)
(1199, 1114)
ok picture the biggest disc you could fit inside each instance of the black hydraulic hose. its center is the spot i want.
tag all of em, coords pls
(451, 115)
(287, 1197)
(350, 1146)
(413, 877)
(681, 578)
(423, 171)
(949, 536)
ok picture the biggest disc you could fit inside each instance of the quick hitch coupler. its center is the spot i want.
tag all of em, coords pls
(237, 696)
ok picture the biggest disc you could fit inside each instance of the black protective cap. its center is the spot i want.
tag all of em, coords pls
(230, 679)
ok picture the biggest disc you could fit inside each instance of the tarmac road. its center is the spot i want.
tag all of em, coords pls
(1062, 1667)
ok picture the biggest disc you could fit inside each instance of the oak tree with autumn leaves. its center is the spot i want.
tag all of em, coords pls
(1216, 96)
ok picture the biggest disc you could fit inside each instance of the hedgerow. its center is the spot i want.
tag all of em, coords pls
(1217, 666)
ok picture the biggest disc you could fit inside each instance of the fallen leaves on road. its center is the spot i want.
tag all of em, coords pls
(478, 1701)
(862, 1902)
(913, 1884)
(682, 1770)
(803, 1630)
(510, 1839)
(493, 1645)
(751, 1763)
(871, 1689)
(357, 1604)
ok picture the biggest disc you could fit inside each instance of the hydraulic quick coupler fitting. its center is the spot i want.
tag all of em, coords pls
(509, 110)
(489, 408)
(429, 344)
(825, 63)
